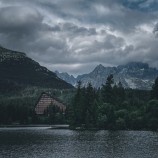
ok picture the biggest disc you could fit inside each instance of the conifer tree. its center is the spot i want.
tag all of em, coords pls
(121, 92)
(106, 91)
(77, 105)
(89, 103)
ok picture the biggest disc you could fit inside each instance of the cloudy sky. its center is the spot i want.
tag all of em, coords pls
(76, 35)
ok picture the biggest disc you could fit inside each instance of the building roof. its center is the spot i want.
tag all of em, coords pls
(45, 100)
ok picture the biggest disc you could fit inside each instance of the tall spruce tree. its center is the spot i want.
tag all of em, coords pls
(106, 91)
(121, 93)
(89, 105)
(77, 105)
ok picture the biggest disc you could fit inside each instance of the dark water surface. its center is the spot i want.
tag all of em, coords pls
(42, 142)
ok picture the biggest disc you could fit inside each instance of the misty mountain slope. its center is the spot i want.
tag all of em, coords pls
(132, 75)
(66, 77)
(138, 75)
(19, 70)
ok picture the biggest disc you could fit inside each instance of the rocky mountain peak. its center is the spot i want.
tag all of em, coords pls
(132, 75)
(99, 67)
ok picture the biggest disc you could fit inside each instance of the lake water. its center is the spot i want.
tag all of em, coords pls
(42, 142)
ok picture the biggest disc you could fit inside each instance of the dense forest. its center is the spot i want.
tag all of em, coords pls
(110, 107)
(18, 106)
(113, 107)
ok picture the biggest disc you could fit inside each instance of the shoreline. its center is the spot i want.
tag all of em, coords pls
(14, 126)
(71, 128)
(36, 125)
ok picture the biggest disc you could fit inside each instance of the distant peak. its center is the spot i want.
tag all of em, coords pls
(100, 66)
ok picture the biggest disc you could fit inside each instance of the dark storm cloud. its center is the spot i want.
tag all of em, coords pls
(76, 35)
(76, 30)
(21, 25)
(19, 20)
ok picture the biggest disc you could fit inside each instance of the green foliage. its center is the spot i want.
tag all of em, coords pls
(18, 110)
(152, 114)
(136, 120)
(120, 123)
(119, 93)
(102, 120)
(55, 115)
(78, 105)
(84, 106)
(105, 115)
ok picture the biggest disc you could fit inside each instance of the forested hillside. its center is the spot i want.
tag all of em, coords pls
(17, 71)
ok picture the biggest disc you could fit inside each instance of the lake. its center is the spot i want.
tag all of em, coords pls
(43, 142)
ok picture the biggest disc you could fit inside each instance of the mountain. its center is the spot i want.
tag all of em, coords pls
(66, 77)
(137, 75)
(132, 75)
(18, 70)
(97, 77)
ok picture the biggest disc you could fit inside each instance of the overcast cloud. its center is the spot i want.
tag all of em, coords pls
(76, 35)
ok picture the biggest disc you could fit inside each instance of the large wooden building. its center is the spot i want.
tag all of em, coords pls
(44, 101)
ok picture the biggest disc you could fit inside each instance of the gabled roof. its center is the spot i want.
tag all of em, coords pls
(45, 100)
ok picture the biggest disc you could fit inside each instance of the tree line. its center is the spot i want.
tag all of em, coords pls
(114, 107)
(109, 107)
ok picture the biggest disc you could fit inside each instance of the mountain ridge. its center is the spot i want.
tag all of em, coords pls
(135, 75)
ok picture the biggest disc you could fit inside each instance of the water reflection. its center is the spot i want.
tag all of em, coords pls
(45, 143)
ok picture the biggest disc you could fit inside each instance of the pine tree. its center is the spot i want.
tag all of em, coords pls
(89, 105)
(121, 92)
(77, 105)
(106, 91)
